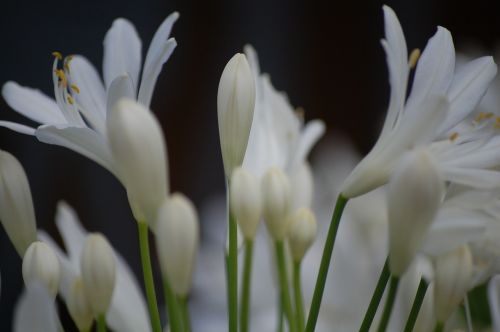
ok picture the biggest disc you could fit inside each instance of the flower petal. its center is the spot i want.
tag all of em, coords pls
(476, 178)
(82, 140)
(494, 301)
(17, 127)
(121, 87)
(32, 103)
(311, 133)
(122, 52)
(36, 311)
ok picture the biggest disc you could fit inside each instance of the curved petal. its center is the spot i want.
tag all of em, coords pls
(476, 178)
(82, 140)
(311, 133)
(494, 301)
(17, 127)
(36, 311)
(32, 103)
(121, 87)
(153, 69)
(159, 39)
(122, 52)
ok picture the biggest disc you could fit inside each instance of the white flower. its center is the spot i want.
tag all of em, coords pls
(128, 310)
(36, 311)
(302, 232)
(440, 98)
(40, 264)
(17, 214)
(79, 306)
(138, 148)
(276, 199)
(76, 119)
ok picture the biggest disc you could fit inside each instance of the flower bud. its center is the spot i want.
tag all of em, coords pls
(302, 232)
(17, 214)
(79, 307)
(98, 269)
(177, 239)
(276, 198)
(139, 153)
(40, 264)
(414, 196)
(235, 105)
(452, 280)
(245, 201)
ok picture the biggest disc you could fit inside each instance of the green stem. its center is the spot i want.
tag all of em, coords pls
(417, 304)
(245, 291)
(283, 279)
(376, 297)
(173, 308)
(297, 291)
(325, 263)
(148, 276)
(280, 313)
(391, 296)
(185, 313)
(232, 274)
(101, 323)
(439, 327)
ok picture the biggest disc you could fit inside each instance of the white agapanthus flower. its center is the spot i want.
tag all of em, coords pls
(441, 97)
(36, 311)
(76, 119)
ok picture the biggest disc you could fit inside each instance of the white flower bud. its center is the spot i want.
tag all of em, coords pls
(40, 264)
(452, 280)
(17, 214)
(302, 232)
(79, 307)
(245, 201)
(235, 105)
(139, 153)
(98, 269)
(177, 239)
(276, 199)
(414, 196)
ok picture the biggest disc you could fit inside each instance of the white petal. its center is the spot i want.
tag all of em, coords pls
(122, 52)
(494, 301)
(159, 39)
(435, 67)
(468, 87)
(17, 127)
(311, 133)
(121, 87)
(32, 103)
(82, 140)
(36, 311)
(153, 69)
(476, 178)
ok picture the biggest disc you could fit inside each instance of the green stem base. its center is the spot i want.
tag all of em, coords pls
(101, 323)
(417, 304)
(376, 297)
(245, 291)
(386, 315)
(283, 279)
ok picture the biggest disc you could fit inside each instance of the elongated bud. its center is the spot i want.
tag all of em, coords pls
(302, 232)
(40, 264)
(16, 205)
(98, 268)
(452, 280)
(414, 196)
(79, 306)
(276, 199)
(235, 105)
(246, 201)
(139, 154)
(177, 239)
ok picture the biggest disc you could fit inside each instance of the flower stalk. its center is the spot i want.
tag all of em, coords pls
(376, 297)
(391, 296)
(232, 274)
(173, 308)
(245, 287)
(297, 291)
(101, 323)
(283, 280)
(417, 304)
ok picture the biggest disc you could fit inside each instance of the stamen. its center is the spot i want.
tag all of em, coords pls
(480, 116)
(57, 55)
(453, 136)
(497, 123)
(70, 100)
(63, 81)
(75, 88)
(414, 56)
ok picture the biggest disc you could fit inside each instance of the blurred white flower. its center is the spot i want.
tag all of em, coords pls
(41, 265)
(79, 306)
(36, 311)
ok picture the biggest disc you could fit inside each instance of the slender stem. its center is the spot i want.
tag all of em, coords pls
(386, 315)
(297, 291)
(283, 279)
(417, 304)
(325, 263)
(439, 327)
(147, 271)
(376, 297)
(101, 323)
(245, 291)
(468, 315)
(185, 313)
(280, 314)
(173, 308)
(232, 274)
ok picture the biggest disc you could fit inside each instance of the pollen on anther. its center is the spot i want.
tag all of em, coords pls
(414, 56)
(497, 123)
(62, 77)
(57, 55)
(71, 100)
(75, 88)
(453, 136)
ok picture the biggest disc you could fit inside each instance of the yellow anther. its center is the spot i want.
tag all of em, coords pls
(489, 115)
(62, 77)
(75, 88)
(57, 55)
(480, 116)
(497, 123)
(71, 100)
(453, 136)
(414, 56)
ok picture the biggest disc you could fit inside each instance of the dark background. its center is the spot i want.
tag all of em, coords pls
(326, 57)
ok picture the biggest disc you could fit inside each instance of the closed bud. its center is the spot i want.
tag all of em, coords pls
(452, 280)
(98, 269)
(235, 106)
(41, 265)
(302, 232)
(414, 196)
(245, 201)
(139, 153)
(177, 239)
(17, 214)
(79, 307)
(276, 199)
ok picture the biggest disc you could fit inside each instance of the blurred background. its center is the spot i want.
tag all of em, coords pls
(327, 58)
